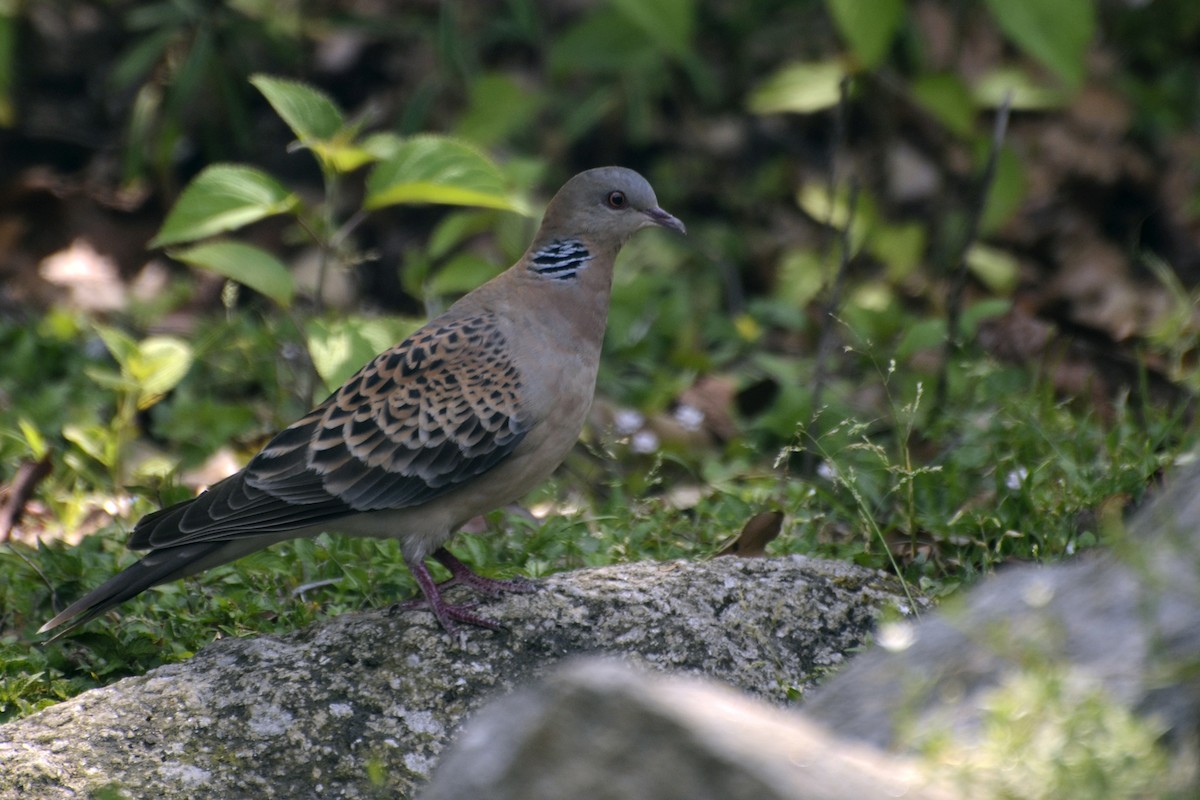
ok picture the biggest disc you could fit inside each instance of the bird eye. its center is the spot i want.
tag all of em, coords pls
(616, 199)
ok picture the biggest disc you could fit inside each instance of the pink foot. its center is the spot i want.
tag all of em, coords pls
(448, 613)
(461, 573)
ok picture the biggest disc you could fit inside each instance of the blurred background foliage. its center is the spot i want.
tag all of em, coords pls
(789, 355)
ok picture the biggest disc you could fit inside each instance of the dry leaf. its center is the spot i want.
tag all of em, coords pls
(758, 532)
(15, 496)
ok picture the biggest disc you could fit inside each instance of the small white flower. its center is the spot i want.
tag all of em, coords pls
(1015, 479)
(825, 470)
(117, 506)
(896, 636)
(644, 442)
(1038, 593)
(689, 417)
(627, 421)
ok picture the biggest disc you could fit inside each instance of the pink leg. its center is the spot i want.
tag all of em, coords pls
(448, 613)
(461, 573)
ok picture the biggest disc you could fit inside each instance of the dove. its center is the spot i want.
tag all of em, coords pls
(464, 416)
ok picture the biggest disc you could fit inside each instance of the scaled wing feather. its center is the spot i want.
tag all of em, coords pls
(438, 409)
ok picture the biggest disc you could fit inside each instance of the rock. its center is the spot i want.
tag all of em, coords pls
(362, 705)
(1123, 625)
(1050, 682)
(600, 730)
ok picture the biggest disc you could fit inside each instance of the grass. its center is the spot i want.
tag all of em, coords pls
(1011, 472)
(1046, 733)
(1006, 470)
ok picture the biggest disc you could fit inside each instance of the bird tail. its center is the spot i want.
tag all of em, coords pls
(158, 566)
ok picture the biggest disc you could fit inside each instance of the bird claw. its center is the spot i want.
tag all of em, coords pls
(497, 586)
(462, 613)
(449, 613)
(460, 574)
(493, 587)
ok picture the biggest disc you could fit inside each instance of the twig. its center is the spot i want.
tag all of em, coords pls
(829, 318)
(341, 234)
(958, 281)
(835, 147)
(303, 589)
(28, 476)
(328, 242)
(808, 461)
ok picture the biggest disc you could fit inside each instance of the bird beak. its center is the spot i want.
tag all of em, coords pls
(659, 217)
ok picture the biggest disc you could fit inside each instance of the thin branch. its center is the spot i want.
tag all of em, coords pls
(829, 317)
(325, 244)
(28, 476)
(825, 337)
(958, 281)
(339, 237)
(836, 144)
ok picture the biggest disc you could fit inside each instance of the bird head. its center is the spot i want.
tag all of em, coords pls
(608, 205)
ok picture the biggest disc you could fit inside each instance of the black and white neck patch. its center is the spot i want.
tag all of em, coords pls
(561, 259)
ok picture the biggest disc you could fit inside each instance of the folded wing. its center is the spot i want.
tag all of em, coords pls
(434, 411)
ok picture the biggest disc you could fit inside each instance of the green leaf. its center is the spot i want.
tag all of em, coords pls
(997, 269)
(415, 268)
(604, 42)
(1055, 32)
(667, 23)
(344, 157)
(135, 63)
(983, 310)
(33, 437)
(813, 198)
(94, 440)
(148, 16)
(947, 98)
(1006, 192)
(868, 26)
(382, 145)
(341, 347)
(222, 198)
(246, 264)
(1026, 93)
(142, 136)
(587, 112)
(441, 170)
(188, 77)
(901, 247)
(926, 334)
(107, 379)
(383, 332)
(158, 366)
(310, 113)
(456, 228)
(499, 107)
(150, 368)
(801, 277)
(461, 274)
(119, 344)
(801, 88)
